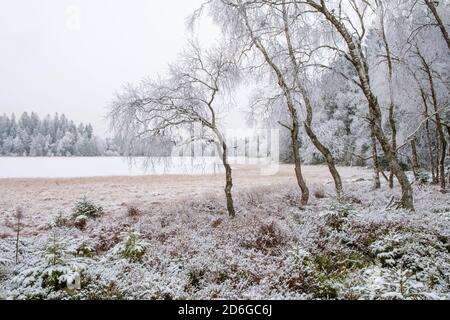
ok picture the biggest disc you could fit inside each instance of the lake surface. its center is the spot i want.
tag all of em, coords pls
(55, 167)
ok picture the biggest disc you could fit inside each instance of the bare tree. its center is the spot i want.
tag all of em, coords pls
(189, 96)
(18, 215)
(426, 68)
(268, 30)
(432, 5)
(352, 29)
(294, 127)
(308, 105)
(388, 56)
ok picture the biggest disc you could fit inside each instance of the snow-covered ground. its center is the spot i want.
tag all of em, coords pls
(44, 199)
(179, 242)
(82, 167)
(71, 167)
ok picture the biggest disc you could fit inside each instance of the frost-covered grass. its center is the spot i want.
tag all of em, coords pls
(272, 250)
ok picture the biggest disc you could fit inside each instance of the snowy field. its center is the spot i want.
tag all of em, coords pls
(169, 237)
(71, 167)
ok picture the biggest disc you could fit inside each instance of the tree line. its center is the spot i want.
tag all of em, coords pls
(29, 135)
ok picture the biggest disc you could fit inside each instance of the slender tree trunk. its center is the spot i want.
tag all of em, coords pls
(291, 109)
(438, 154)
(376, 162)
(223, 151)
(309, 110)
(319, 146)
(442, 143)
(428, 135)
(323, 150)
(393, 138)
(448, 132)
(358, 59)
(390, 65)
(17, 240)
(228, 181)
(329, 159)
(298, 165)
(414, 159)
(432, 7)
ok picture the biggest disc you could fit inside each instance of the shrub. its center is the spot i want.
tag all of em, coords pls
(80, 222)
(133, 211)
(57, 271)
(87, 209)
(132, 248)
(61, 221)
(267, 239)
(86, 249)
(338, 214)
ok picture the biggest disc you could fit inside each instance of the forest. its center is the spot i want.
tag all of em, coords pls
(58, 136)
(51, 136)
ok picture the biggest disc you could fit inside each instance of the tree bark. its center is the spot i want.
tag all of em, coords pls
(323, 150)
(309, 111)
(291, 109)
(448, 132)
(228, 181)
(414, 159)
(298, 165)
(440, 132)
(428, 135)
(390, 65)
(223, 151)
(359, 62)
(376, 162)
(432, 7)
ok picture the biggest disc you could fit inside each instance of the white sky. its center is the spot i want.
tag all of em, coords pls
(48, 64)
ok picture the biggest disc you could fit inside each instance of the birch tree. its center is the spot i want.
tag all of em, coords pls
(348, 19)
(266, 29)
(188, 96)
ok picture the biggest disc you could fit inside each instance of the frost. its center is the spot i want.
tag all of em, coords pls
(329, 250)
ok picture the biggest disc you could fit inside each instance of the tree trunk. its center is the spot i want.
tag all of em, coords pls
(298, 165)
(432, 7)
(428, 135)
(309, 110)
(393, 139)
(448, 131)
(376, 163)
(442, 143)
(329, 159)
(357, 57)
(319, 146)
(223, 151)
(228, 181)
(390, 65)
(291, 109)
(414, 159)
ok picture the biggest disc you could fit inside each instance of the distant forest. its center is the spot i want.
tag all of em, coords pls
(30, 135)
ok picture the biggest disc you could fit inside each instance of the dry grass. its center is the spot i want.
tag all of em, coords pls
(43, 199)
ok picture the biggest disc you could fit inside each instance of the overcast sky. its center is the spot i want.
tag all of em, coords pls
(70, 56)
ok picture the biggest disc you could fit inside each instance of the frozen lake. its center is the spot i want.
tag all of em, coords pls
(22, 167)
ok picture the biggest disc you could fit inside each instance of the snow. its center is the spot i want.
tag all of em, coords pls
(74, 167)
(272, 250)
(16, 167)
